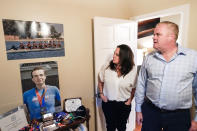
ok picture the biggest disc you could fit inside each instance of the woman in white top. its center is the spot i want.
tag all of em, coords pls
(116, 83)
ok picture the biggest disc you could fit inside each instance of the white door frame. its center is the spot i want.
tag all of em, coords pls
(183, 10)
(108, 33)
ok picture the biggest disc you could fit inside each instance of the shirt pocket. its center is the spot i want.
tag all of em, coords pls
(155, 71)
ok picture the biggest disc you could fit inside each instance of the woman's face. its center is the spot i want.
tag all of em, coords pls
(116, 59)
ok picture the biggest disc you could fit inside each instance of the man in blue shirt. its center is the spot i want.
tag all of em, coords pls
(43, 98)
(164, 88)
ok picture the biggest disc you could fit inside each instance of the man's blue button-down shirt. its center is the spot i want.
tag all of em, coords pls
(168, 84)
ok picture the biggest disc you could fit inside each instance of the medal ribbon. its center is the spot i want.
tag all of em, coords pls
(41, 99)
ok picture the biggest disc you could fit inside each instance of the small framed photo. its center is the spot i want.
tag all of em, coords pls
(72, 104)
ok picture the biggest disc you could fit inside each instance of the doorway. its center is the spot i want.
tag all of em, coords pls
(178, 15)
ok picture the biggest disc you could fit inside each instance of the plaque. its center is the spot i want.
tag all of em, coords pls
(14, 119)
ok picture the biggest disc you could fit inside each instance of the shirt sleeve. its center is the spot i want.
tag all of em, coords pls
(24, 99)
(133, 78)
(194, 87)
(195, 95)
(141, 85)
(57, 94)
(101, 73)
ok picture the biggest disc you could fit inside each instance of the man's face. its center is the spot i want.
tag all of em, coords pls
(38, 77)
(161, 38)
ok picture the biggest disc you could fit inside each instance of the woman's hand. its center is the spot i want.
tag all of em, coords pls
(128, 102)
(104, 98)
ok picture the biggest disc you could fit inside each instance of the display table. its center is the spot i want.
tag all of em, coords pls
(76, 122)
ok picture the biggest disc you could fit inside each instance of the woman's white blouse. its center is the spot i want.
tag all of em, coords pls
(117, 88)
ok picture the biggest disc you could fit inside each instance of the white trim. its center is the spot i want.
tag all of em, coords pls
(183, 10)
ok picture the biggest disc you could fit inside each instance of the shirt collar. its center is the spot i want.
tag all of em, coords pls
(180, 51)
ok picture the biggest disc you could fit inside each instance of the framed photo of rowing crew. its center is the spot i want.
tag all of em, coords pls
(32, 39)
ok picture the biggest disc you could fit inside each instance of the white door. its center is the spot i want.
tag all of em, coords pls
(108, 33)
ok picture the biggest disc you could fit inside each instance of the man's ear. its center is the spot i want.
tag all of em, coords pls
(172, 36)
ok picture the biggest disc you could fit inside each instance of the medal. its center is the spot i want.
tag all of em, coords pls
(41, 101)
(43, 110)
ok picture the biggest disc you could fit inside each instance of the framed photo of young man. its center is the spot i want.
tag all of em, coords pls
(40, 85)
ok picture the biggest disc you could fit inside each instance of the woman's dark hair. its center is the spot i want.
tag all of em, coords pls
(126, 60)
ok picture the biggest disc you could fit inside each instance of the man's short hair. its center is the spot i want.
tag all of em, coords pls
(173, 26)
(38, 68)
